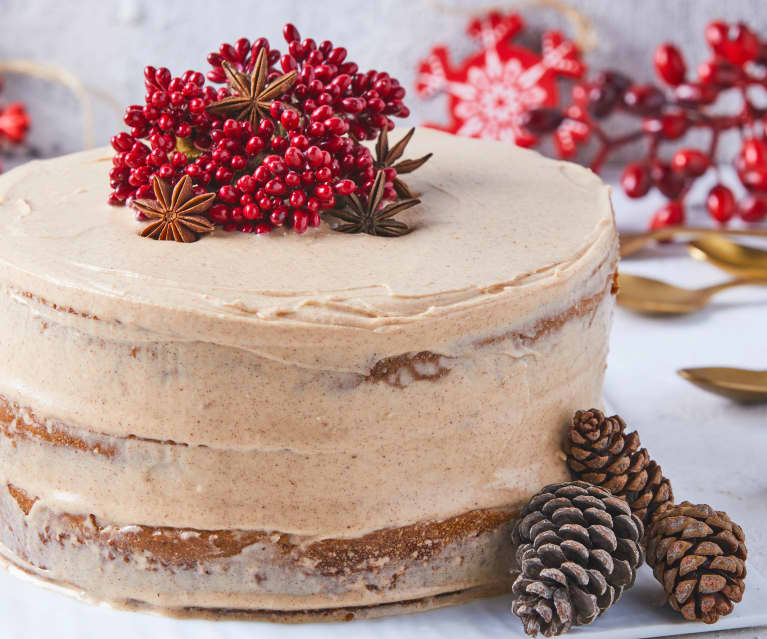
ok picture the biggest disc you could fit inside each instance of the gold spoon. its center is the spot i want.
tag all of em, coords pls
(634, 242)
(738, 384)
(743, 261)
(646, 295)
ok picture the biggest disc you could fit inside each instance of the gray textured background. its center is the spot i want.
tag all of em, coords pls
(108, 42)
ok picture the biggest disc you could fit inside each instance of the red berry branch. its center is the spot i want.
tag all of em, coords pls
(738, 65)
(285, 163)
(14, 123)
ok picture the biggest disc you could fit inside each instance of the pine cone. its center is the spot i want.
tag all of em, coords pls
(699, 556)
(601, 453)
(578, 547)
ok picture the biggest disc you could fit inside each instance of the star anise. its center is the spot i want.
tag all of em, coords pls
(369, 217)
(174, 214)
(253, 98)
(386, 158)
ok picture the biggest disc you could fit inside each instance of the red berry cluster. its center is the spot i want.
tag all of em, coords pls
(285, 170)
(365, 101)
(171, 127)
(738, 63)
(14, 123)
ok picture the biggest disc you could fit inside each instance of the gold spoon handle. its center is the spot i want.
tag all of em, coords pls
(631, 244)
(740, 281)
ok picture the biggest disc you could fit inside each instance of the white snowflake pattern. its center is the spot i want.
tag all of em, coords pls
(494, 99)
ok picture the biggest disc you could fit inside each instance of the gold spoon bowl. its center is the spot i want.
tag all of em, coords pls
(647, 295)
(737, 259)
(634, 242)
(738, 384)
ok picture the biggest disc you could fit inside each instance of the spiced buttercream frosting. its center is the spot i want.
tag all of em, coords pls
(295, 426)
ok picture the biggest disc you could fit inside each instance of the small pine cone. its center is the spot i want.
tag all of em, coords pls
(600, 452)
(699, 556)
(578, 547)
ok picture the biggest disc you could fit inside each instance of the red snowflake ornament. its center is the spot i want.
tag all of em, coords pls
(492, 90)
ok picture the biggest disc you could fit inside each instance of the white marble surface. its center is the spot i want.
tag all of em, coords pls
(713, 450)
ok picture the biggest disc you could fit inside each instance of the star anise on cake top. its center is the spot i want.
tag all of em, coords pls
(254, 98)
(386, 158)
(174, 214)
(370, 217)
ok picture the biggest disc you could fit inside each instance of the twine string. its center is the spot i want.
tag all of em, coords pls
(585, 32)
(58, 75)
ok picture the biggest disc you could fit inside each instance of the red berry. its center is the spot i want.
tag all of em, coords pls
(254, 146)
(317, 129)
(636, 180)
(178, 159)
(672, 214)
(279, 144)
(690, 162)
(674, 124)
(224, 175)
(542, 120)
(294, 157)
(183, 130)
(717, 73)
(251, 212)
(300, 221)
(228, 194)
(721, 203)
(276, 109)
(166, 122)
(336, 126)
(265, 128)
(668, 182)
(238, 162)
(345, 187)
(290, 119)
(314, 156)
(262, 174)
(276, 165)
(219, 214)
(644, 99)
(279, 215)
(246, 184)
(717, 34)
(290, 33)
(300, 142)
(755, 179)
(297, 199)
(754, 152)
(742, 47)
(122, 142)
(275, 187)
(753, 209)
(669, 64)
(292, 179)
(262, 229)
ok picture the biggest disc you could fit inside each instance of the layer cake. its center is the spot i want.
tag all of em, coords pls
(295, 427)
